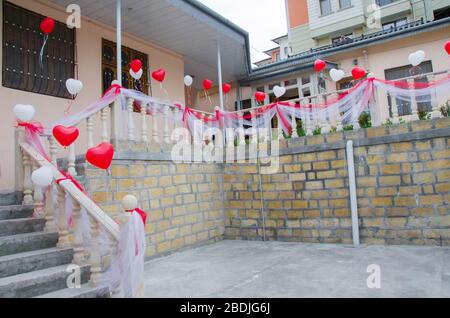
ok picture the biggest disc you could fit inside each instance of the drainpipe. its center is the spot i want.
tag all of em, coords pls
(353, 197)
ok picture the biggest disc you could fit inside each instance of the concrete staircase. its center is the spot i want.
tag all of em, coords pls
(30, 263)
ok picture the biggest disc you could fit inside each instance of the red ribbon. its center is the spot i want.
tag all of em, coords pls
(67, 176)
(115, 87)
(34, 128)
(141, 213)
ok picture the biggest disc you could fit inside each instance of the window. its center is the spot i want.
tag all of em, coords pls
(277, 57)
(395, 24)
(441, 13)
(404, 107)
(384, 2)
(22, 42)
(325, 7)
(109, 67)
(345, 4)
(342, 39)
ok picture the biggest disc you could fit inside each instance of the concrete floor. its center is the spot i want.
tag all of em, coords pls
(277, 269)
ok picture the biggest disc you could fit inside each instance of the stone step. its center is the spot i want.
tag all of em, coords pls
(39, 282)
(15, 212)
(35, 260)
(10, 198)
(85, 291)
(27, 242)
(20, 226)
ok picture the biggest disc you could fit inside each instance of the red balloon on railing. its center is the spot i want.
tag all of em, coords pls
(447, 47)
(136, 65)
(159, 75)
(358, 73)
(65, 135)
(207, 84)
(101, 156)
(47, 25)
(226, 88)
(319, 65)
(260, 96)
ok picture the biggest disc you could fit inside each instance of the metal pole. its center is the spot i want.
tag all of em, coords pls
(353, 197)
(119, 40)
(219, 74)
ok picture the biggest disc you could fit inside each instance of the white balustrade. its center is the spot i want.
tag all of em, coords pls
(63, 231)
(414, 107)
(95, 257)
(166, 135)
(435, 111)
(144, 129)
(72, 158)
(90, 132)
(27, 184)
(294, 124)
(104, 123)
(130, 125)
(78, 244)
(155, 134)
(254, 139)
(394, 108)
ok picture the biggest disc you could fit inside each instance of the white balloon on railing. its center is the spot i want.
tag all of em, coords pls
(279, 91)
(42, 177)
(129, 202)
(188, 80)
(136, 76)
(74, 86)
(336, 75)
(416, 58)
(24, 113)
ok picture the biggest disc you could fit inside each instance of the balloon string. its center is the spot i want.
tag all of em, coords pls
(164, 90)
(189, 96)
(41, 54)
(69, 106)
(207, 96)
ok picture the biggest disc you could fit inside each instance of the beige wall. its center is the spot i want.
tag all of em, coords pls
(89, 59)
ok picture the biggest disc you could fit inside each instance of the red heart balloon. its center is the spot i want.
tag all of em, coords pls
(358, 73)
(447, 47)
(226, 88)
(65, 135)
(101, 156)
(260, 96)
(319, 65)
(207, 84)
(47, 25)
(136, 65)
(159, 75)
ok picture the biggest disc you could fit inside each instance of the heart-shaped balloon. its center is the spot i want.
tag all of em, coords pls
(207, 84)
(319, 65)
(65, 135)
(358, 73)
(260, 96)
(101, 156)
(159, 75)
(226, 88)
(279, 91)
(136, 76)
(42, 177)
(47, 25)
(188, 80)
(74, 86)
(24, 113)
(416, 58)
(447, 47)
(336, 75)
(136, 65)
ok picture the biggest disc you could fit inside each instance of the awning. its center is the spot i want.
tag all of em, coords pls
(185, 27)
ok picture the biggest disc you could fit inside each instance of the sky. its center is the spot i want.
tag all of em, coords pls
(262, 19)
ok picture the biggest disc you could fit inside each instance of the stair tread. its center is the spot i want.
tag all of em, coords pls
(10, 227)
(11, 212)
(86, 291)
(15, 207)
(33, 253)
(38, 274)
(23, 235)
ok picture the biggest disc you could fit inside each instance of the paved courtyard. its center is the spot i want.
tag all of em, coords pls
(278, 269)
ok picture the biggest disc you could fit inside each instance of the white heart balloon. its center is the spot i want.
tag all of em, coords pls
(24, 113)
(42, 177)
(74, 86)
(336, 75)
(136, 76)
(279, 91)
(416, 58)
(188, 80)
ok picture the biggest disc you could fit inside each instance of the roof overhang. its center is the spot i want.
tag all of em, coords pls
(185, 27)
